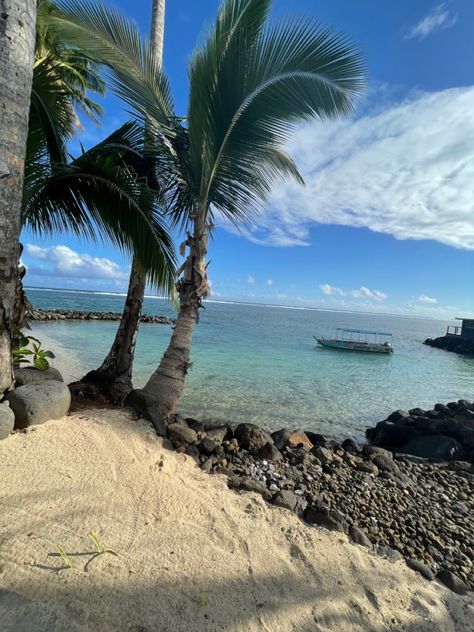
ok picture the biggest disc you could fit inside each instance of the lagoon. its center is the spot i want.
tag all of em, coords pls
(260, 363)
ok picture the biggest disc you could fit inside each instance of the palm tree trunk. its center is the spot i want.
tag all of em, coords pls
(17, 47)
(114, 376)
(158, 399)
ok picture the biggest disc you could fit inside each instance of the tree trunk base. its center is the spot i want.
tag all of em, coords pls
(147, 406)
(114, 389)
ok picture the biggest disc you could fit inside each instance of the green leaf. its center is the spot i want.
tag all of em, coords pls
(95, 539)
(64, 556)
(41, 363)
(48, 354)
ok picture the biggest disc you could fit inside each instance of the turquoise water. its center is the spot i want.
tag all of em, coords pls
(260, 364)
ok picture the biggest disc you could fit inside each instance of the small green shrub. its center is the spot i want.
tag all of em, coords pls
(21, 352)
(65, 557)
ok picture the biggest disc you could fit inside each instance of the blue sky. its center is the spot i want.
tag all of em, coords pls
(386, 220)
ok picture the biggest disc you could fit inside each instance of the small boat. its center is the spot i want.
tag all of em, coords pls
(371, 340)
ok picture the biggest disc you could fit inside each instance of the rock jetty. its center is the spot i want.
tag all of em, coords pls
(397, 505)
(445, 433)
(457, 344)
(70, 314)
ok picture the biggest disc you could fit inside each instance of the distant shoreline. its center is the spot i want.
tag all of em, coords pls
(244, 303)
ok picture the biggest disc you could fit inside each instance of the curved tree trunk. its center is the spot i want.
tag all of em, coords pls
(114, 376)
(160, 396)
(17, 48)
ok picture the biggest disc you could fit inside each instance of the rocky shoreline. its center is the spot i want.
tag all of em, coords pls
(41, 315)
(401, 506)
(456, 344)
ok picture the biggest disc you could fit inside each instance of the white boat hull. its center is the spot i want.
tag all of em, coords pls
(352, 345)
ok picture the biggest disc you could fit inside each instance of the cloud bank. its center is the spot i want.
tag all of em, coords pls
(62, 261)
(407, 171)
(362, 292)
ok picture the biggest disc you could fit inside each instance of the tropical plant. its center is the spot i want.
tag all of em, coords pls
(17, 46)
(108, 192)
(114, 376)
(22, 352)
(251, 83)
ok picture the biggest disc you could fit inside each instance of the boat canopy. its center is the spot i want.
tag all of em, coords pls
(375, 332)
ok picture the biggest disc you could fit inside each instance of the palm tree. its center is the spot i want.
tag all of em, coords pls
(17, 47)
(109, 190)
(115, 373)
(251, 83)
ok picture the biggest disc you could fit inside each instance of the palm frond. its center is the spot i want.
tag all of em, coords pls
(248, 94)
(106, 192)
(114, 41)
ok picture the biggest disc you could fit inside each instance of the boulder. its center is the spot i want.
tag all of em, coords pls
(394, 435)
(298, 439)
(7, 421)
(218, 433)
(328, 518)
(270, 453)
(316, 438)
(384, 461)
(289, 500)
(249, 484)
(280, 437)
(397, 415)
(421, 568)
(324, 455)
(181, 433)
(359, 536)
(251, 437)
(30, 375)
(349, 445)
(437, 447)
(39, 402)
(452, 581)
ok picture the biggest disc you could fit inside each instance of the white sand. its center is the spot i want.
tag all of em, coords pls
(193, 555)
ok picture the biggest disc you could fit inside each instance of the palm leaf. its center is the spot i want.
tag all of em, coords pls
(106, 191)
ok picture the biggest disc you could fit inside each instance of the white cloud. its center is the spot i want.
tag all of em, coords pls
(362, 292)
(437, 19)
(270, 282)
(250, 279)
(62, 261)
(423, 298)
(407, 171)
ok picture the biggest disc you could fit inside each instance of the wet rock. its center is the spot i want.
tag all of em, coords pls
(30, 375)
(389, 434)
(421, 568)
(207, 446)
(181, 433)
(251, 437)
(7, 421)
(437, 447)
(36, 403)
(452, 581)
(397, 415)
(316, 438)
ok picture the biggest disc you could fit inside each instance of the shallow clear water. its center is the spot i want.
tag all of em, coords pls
(261, 364)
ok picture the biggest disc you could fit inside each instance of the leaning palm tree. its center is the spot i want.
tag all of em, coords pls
(251, 84)
(115, 372)
(17, 46)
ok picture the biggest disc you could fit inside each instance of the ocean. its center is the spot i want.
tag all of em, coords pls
(260, 363)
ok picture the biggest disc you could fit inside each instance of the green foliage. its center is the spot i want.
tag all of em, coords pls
(251, 83)
(22, 352)
(203, 599)
(67, 561)
(98, 545)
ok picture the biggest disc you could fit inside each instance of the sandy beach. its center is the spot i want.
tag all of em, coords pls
(192, 554)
